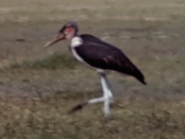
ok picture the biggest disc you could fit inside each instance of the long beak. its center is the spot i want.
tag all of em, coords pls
(58, 38)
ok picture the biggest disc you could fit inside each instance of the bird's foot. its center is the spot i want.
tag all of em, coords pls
(78, 107)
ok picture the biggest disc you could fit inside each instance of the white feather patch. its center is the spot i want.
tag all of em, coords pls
(75, 54)
(76, 41)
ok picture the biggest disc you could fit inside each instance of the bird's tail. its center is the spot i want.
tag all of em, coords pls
(140, 77)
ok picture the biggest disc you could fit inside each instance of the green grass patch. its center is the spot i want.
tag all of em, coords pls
(52, 62)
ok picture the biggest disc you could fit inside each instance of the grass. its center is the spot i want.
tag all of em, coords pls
(38, 86)
(52, 62)
(49, 118)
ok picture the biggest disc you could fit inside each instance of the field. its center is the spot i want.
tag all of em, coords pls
(39, 86)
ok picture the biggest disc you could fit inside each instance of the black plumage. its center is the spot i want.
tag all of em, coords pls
(102, 55)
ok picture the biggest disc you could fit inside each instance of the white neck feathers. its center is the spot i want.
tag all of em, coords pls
(76, 41)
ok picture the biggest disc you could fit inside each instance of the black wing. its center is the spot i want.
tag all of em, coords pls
(105, 56)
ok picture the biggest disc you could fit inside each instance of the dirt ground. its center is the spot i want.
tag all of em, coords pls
(37, 82)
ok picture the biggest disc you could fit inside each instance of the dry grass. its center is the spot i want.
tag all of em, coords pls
(48, 118)
(85, 10)
(38, 87)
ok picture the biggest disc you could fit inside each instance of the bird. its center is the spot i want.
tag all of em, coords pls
(103, 57)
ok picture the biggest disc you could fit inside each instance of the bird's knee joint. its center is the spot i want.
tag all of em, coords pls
(108, 97)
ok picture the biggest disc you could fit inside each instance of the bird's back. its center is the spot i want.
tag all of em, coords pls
(105, 56)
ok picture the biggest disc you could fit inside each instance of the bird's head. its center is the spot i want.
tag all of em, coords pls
(68, 31)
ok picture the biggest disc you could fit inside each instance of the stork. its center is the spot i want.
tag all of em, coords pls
(101, 56)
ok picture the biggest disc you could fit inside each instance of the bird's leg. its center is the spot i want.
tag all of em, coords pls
(107, 95)
(108, 88)
(91, 101)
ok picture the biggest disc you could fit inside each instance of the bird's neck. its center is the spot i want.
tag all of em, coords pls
(76, 41)
(73, 36)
